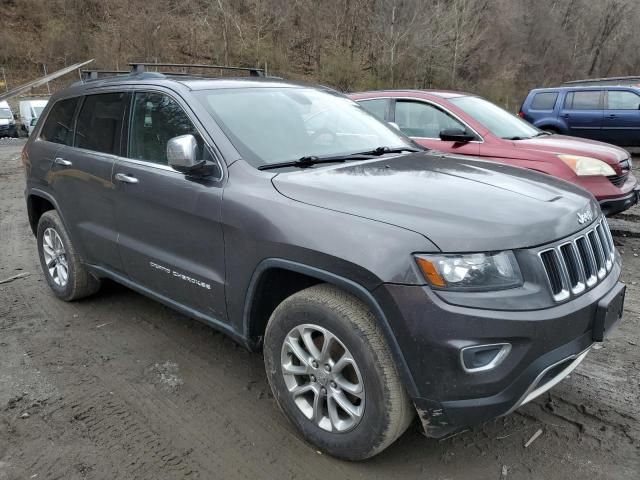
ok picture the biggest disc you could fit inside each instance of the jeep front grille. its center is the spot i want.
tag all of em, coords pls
(580, 262)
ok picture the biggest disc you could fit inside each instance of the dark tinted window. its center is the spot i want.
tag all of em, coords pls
(100, 122)
(59, 125)
(377, 107)
(157, 118)
(544, 101)
(585, 100)
(622, 100)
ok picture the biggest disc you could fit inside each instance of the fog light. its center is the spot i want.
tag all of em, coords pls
(480, 358)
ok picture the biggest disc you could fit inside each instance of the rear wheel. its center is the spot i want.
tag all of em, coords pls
(61, 265)
(333, 375)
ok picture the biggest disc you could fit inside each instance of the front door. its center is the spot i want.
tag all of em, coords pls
(170, 233)
(423, 122)
(621, 122)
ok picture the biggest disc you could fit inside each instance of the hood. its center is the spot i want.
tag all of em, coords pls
(461, 204)
(560, 144)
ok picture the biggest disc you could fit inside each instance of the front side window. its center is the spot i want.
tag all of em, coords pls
(376, 107)
(100, 122)
(418, 119)
(156, 119)
(583, 100)
(498, 121)
(58, 127)
(544, 101)
(622, 100)
(279, 124)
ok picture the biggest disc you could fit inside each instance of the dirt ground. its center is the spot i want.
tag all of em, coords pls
(120, 387)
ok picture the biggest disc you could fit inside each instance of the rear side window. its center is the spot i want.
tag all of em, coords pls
(585, 100)
(100, 123)
(622, 100)
(376, 107)
(156, 119)
(59, 125)
(544, 101)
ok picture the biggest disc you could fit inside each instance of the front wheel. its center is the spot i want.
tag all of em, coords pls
(333, 375)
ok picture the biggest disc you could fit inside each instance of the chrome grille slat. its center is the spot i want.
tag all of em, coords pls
(579, 262)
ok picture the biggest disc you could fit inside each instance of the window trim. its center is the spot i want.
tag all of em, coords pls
(479, 138)
(127, 129)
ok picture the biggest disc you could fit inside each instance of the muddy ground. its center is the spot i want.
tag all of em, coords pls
(120, 387)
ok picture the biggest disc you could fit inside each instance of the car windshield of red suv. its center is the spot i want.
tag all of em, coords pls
(498, 121)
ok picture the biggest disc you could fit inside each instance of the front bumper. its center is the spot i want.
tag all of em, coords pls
(617, 205)
(546, 345)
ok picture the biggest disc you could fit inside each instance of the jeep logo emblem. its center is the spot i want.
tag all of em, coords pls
(585, 216)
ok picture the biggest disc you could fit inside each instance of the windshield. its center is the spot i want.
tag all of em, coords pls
(272, 125)
(5, 113)
(498, 121)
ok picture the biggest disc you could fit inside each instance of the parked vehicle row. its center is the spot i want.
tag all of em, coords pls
(30, 110)
(466, 124)
(7, 121)
(384, 282)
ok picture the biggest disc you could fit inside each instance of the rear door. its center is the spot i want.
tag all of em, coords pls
(170, 232)
(621, 122)
(81, 177)
(423, 122)
(582, 112)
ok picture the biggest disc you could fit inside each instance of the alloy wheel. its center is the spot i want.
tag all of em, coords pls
(323, 378)
(55, 257)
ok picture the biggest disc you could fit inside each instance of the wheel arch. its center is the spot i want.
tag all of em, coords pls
(38, 203)
(259, 305)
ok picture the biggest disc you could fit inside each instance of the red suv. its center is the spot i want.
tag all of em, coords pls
(467, 124)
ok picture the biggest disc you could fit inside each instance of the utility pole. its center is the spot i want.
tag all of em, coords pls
(4, 79)
(44, 67)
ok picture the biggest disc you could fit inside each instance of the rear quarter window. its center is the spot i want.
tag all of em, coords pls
(58, 128)
(544, 101)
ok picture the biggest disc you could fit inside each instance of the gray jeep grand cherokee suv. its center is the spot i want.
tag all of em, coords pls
(381, 281)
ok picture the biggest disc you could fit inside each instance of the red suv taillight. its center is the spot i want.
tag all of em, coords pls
(521, 114)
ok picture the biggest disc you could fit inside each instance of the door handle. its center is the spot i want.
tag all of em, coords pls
(566, 115)
(61, 161)
(122, 177)
(612, 116)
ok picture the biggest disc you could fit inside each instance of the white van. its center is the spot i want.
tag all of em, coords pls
(30, 110)
(7, 121)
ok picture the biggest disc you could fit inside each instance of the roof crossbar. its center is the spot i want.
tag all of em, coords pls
(140, 67)
(95, 74)
(604, 80)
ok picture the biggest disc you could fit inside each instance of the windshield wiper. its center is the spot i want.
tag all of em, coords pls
(305, 162)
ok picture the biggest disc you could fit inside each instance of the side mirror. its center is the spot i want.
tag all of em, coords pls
(33, 122)
(394, 125)
(182, 153)
(456, 135)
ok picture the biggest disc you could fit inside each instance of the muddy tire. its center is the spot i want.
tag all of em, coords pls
(333, 374)
(66, 275)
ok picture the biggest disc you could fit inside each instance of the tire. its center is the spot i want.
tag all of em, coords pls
(79, 283)
(384, 406)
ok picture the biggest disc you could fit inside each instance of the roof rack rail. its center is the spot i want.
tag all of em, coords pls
(631, 80)
(95, 74)
(140, 67)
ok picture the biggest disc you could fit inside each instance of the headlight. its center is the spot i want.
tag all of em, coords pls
(584, 166)
(475, 271)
